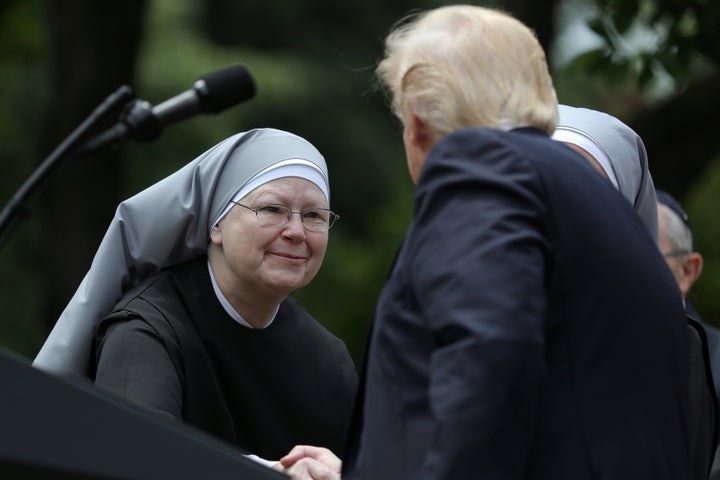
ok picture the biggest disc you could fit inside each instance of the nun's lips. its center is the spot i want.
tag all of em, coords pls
(290, 256)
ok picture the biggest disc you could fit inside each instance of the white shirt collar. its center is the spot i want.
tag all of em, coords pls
(229, 308)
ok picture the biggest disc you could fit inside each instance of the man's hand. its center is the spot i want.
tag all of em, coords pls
(310, 463)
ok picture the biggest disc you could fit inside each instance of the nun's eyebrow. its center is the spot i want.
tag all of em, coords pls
(266, 194)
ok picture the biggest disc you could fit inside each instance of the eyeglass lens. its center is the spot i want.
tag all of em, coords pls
(316, 219)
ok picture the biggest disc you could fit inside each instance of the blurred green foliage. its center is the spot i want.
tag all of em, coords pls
(703, 208)
(22, 93)
(653, 40)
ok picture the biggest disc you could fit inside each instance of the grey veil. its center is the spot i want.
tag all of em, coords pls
(166, 224)
(624, 151)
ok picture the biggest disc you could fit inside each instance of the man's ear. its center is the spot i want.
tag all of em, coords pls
(692, 264)
(419, 134)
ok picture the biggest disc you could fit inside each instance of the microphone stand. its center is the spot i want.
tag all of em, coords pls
(16, 210)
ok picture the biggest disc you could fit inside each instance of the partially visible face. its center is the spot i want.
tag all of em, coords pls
(270, 260)
(666, 246)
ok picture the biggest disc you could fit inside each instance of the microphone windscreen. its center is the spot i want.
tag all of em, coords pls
(225, 88)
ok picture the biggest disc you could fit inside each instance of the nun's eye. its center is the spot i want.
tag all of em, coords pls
(280, 211)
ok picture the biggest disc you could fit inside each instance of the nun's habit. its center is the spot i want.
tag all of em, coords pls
(166, 224)
(166, 340)
(620, 152)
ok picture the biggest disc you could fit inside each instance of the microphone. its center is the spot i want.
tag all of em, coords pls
(212, 93)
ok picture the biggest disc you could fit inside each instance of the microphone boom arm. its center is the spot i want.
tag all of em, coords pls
(11, 213)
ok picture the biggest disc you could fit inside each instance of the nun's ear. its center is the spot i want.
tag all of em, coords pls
(216, 235)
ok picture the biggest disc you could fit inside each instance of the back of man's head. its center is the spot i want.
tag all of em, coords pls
(464, 66)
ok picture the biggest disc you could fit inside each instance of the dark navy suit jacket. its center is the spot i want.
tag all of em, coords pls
(712, 335)
(713, 338)
(529, 328)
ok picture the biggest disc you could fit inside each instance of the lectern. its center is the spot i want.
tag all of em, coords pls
(65, 428)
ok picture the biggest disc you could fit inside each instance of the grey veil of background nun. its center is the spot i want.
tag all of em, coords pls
(623, 148)
(166, 224)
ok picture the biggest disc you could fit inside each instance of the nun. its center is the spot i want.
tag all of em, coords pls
(616, 151)
(186, 308)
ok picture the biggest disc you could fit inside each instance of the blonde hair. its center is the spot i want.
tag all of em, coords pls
(468, 66)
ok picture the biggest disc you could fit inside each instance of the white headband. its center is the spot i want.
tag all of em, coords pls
(287, 168)
(574, 137)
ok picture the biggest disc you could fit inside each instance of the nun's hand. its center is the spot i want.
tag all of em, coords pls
(305, 462)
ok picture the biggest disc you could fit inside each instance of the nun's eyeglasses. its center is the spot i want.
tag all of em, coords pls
(314, 219)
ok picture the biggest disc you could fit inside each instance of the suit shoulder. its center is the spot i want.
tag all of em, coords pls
(482, 155)
(527, 146)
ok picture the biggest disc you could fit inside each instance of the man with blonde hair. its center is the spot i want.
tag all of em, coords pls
(511, 338)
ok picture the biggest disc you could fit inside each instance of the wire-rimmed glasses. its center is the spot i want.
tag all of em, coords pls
(275, 215)
(676, 253)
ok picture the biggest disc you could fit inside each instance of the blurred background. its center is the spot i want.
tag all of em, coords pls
(653, 64)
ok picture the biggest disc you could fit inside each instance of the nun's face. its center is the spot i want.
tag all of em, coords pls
(257, 262)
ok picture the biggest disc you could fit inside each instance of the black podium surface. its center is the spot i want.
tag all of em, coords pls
(65, 428)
